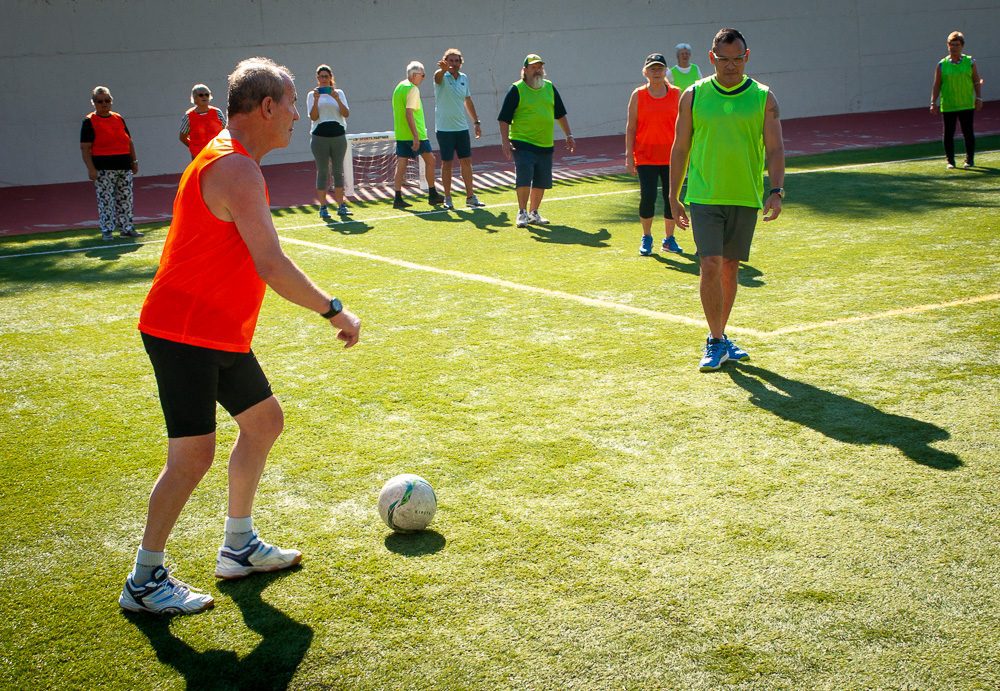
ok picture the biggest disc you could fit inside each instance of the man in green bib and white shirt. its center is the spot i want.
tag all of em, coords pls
(411, 134)
(526, 120)
(728, 128)
(684, 73)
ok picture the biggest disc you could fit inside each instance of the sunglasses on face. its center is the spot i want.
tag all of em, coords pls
(102, 101)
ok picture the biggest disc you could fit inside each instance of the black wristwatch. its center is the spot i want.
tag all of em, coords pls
(780, 191)
(335, 309)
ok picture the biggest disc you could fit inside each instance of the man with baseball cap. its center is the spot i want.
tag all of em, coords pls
(526, 120)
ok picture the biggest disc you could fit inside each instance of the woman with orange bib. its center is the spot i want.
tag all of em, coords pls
(649, 137)
(108, 153)
(202, 122)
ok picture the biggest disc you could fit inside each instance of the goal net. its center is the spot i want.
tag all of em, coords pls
(370, 164)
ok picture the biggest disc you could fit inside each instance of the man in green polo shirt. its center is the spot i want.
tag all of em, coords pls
(411, 134)
(526, 120)
(728, 127)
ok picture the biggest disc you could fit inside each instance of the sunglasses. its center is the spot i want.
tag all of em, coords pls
(102, 101)
(203, 95)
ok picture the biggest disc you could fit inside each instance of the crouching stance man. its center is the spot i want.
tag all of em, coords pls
(197, 324)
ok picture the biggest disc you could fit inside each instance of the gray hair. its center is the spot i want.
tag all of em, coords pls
(99, 90)
(200, 87)
(414, 67)
(253, 80)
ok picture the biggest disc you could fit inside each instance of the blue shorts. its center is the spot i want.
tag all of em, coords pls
(451, 142)
(533, 168)
(404, 148)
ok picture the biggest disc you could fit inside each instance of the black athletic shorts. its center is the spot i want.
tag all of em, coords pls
(192, 379)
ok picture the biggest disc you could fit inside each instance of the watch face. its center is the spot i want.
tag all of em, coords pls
(335, 306)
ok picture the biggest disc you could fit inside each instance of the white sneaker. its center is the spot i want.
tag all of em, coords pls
(256, 557)
(473, 202)
(537, 219)
(447, 203)
(522, 219)
(164, 594)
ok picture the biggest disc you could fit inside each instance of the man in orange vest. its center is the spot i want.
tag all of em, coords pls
(197, 324)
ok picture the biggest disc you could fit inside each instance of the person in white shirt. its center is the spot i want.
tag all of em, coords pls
(328, 111)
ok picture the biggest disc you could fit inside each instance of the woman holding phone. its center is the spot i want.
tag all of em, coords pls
(328, 110)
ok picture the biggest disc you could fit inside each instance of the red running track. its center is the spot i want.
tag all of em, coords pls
(42, 208)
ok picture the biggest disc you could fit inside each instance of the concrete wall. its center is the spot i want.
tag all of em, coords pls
(820, 58)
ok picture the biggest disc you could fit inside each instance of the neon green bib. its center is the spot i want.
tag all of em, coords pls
(727, 148)
(682, 80)
(957, 91)
(400, 125)
(535, 114)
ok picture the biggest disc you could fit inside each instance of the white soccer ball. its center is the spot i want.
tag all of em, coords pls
(407, 503)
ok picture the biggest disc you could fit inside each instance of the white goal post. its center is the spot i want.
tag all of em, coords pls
(370, 160)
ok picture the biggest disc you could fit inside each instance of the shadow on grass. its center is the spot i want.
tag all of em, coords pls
(415, 544)
(568, 235)
(271, 665)
(862, 193)
(748, 276)
(53, 266)
(842, 418)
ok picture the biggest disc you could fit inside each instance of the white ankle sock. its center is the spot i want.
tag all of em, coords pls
(146, 563)
(239, 532)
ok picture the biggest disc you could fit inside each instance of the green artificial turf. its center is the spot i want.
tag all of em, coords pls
(824, 516)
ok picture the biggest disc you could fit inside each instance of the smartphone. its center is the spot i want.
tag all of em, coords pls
(326, 89)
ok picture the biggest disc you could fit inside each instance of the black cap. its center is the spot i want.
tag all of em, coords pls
(655, 59)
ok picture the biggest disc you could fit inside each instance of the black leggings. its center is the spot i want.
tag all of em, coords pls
(964, 118)
(649, 176)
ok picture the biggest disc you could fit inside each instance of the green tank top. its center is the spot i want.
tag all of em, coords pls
(400, 125)
(535, 114)
(682, 80)
(957, 91)
(726, 167)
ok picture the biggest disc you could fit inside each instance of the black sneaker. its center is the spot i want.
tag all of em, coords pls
(434, 198)
(131, 234)
(400, 203)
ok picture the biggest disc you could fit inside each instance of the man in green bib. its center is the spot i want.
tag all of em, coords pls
(728, 127)
(411, 134)
(526, 119)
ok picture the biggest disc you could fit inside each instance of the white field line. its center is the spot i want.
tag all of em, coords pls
(916, 309)
(503, 283)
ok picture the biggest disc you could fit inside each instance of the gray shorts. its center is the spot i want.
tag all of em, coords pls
(725, 231)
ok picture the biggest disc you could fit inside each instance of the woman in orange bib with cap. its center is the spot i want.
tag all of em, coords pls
(649, 137)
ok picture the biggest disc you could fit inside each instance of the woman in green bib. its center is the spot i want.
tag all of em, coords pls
(957, 82)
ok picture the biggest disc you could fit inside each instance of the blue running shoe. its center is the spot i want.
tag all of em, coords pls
(670, 245)
(716, 353)
(735, 352)
(343, 210)
(646, 248)
(324, 213)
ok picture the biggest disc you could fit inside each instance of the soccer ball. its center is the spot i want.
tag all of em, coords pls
(407, 503)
